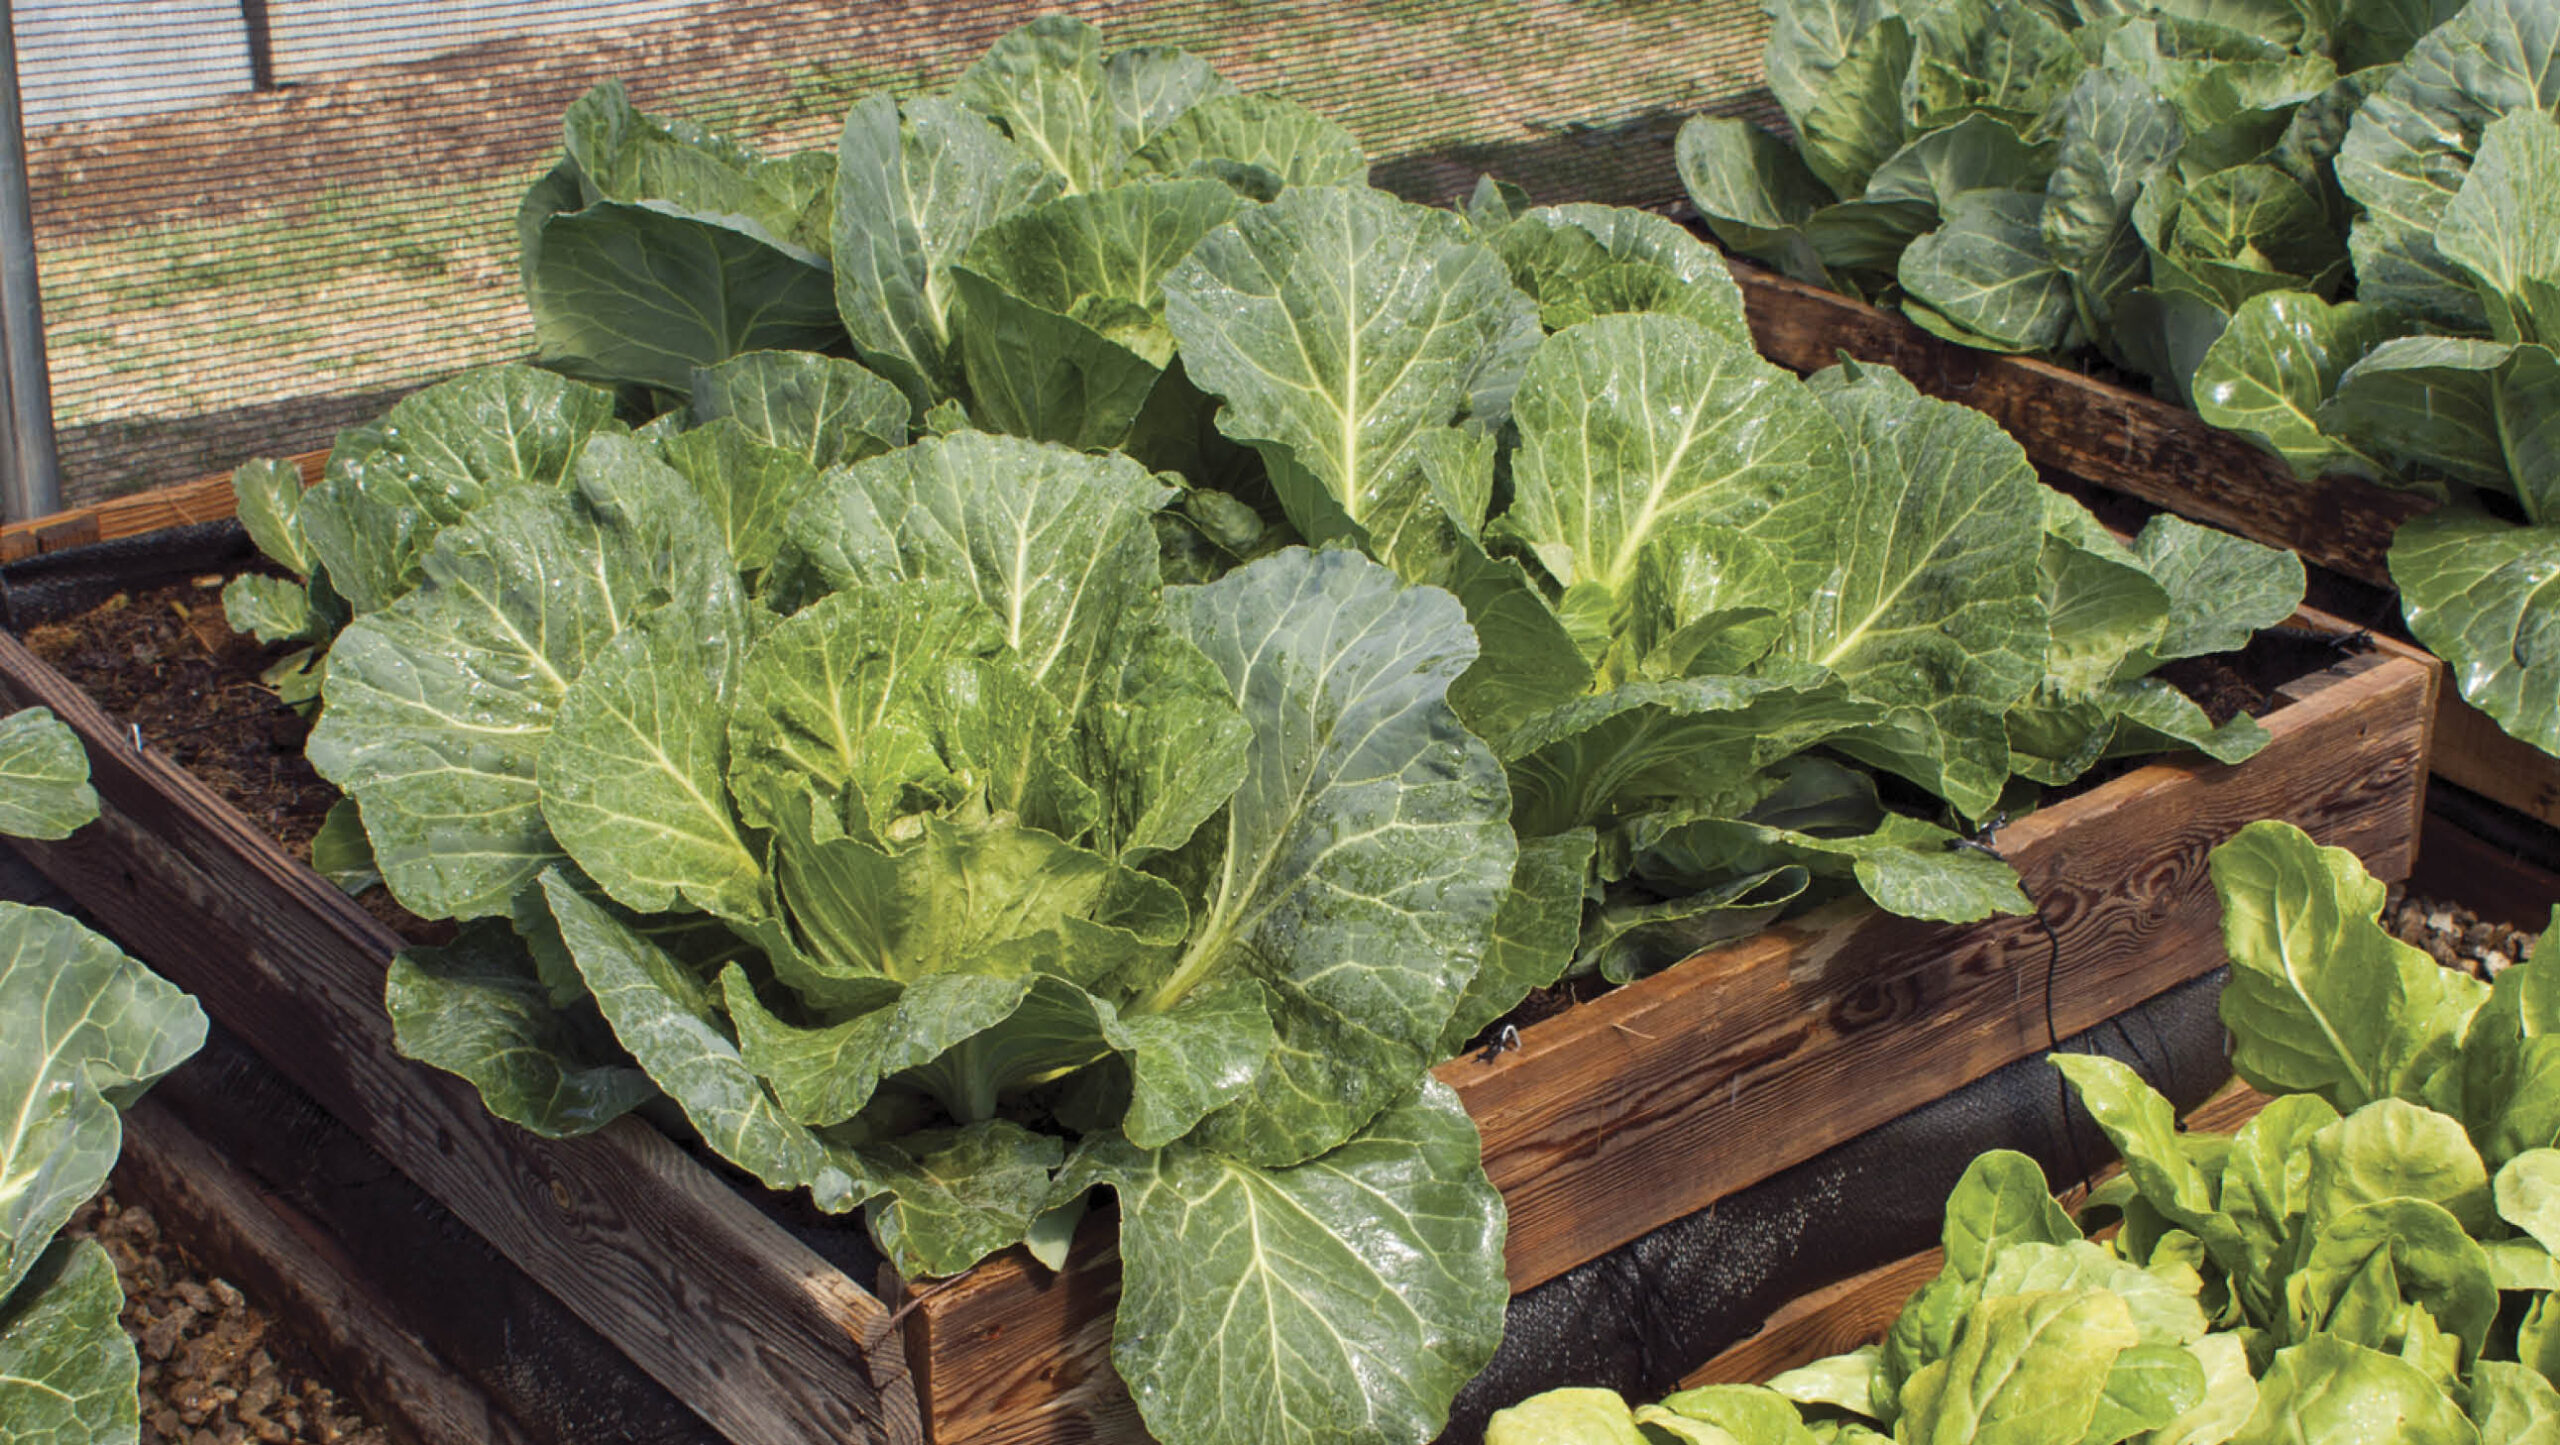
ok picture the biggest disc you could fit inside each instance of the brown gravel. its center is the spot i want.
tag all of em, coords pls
(2454, 935)
(216, 1370)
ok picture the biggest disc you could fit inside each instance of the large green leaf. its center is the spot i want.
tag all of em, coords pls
(2252, 229)
(956, 1196)
(1933, 604)
(1754, 191)
(1837, 67)
(2277, 364)
(647, 293)
(438, 454)
(1581, 261)
(2006, 59)
(1572, 1416)
(2027, 1366)
(44, 777)
(438, 705)
(2410, 147)
(2223, 590)
(1637, 430)
(1534, 933)
(87, 1027)
(2116, 134)
(2480, 593)
(1081, 115)
(666, 1016)
(1065, 338)
(68, 1371)
(1057, 544)
(821, 409)
(1343, 1299)
(750, 487)
(2498, 227)
(1343, 325)
(1366, 851)
(2321, 999)
(2326, 1389)
(479, 1007)
(1907, 867)
(633, 774)
(913, 189)
(2513, 1403)
(618, 153)
(1248, 141)
(1989, 270)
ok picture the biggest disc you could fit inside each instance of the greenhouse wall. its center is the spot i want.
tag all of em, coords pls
(234, 268)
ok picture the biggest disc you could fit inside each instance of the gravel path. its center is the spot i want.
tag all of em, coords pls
(216, 1369)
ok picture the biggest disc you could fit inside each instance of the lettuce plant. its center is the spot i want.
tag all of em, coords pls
(2036, 177)
(2374, 1251)
(89, 1029)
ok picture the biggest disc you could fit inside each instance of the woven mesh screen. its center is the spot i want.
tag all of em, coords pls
(260, 220)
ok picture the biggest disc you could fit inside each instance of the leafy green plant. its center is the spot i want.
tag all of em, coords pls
(89, 1030)
(2030, 177)
(2375, 1246)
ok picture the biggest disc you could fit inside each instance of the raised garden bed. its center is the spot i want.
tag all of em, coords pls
(1635, 1108)
(2131, 442)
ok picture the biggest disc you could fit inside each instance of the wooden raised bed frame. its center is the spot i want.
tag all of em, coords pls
(1613, 1118)
(2131, 442)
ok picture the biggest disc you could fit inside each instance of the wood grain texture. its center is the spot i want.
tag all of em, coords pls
(1657, 1099)
(1857, 1311)
(758, 1334)
(208, 499)
(2123, 440)
(2478, 754)
(293, 1270)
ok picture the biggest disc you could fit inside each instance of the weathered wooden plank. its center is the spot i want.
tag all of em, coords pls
(2456, 863)
(207, 499)
(2476, 753)
(1857, 1311)
(294, 1270)
(752, 1329)
(1657, 1099)
(2122, 440)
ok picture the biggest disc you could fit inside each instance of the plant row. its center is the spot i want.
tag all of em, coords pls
(2371, 1257)
(2191, 191)
(1071, 644)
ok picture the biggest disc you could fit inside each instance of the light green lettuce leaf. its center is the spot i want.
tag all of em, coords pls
(2325, 1389)
(1364, 855)
(2528, 1194)
(2321, 999)
(2030, 1366)
(1343, 1299)
(2230, 1396)
(1573, 1416)
(2514, 1404)
(1751, 1413)
(438, 706)
(2143, 1128)
(89, 1029)
(2390, 1149)
(2420, 1248)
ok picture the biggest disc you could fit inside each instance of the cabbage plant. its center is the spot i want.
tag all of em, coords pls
(2033, 177)
(89, 1029)
(2375, 1251)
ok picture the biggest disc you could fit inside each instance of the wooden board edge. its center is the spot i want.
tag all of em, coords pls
(1856, 1311)
(2105, 434)
(292, 1271)
(2472, 751)
(207, 499)
(694, 1215)
(2457, 864)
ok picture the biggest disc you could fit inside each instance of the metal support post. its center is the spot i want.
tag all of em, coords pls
(30, 479)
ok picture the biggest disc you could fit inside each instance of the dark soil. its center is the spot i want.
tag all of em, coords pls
(165, 660)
